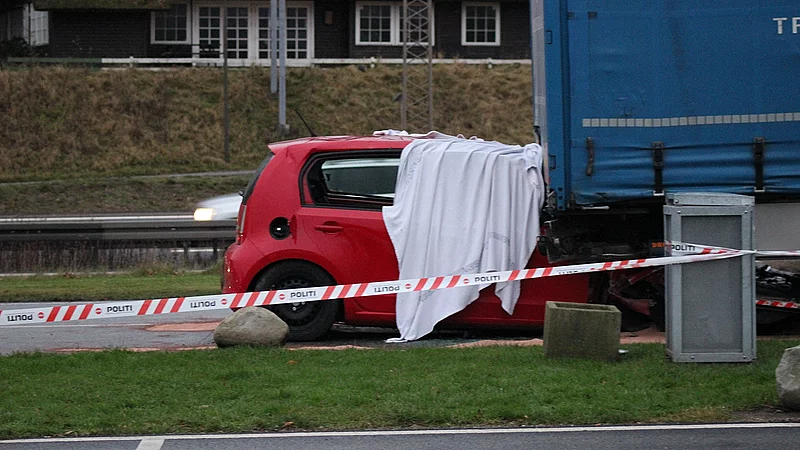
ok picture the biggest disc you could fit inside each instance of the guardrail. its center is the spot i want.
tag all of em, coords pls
(111, 242)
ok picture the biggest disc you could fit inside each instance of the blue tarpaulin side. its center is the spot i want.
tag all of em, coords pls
(704, 78)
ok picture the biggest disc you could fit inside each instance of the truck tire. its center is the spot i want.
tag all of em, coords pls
(308, 321)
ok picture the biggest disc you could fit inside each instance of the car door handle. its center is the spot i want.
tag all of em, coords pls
(329, 227)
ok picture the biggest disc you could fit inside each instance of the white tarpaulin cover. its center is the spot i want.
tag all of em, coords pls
(461, 206)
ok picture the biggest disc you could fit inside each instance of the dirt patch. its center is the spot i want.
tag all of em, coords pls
(766, 414)
(498, 342)
(647, 336)
(186, 326)
(134, 349)
(299, 346)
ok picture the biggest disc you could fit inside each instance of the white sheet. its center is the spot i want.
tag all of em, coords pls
(462, 206)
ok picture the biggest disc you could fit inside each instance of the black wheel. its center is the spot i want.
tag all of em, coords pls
(307, 321)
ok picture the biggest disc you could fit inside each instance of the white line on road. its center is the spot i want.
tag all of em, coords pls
(151, 444)
(720, 426)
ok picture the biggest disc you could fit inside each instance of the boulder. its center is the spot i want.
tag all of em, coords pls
(787, 376)
(251, 326)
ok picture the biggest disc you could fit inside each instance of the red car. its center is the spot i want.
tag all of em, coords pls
(311, 216)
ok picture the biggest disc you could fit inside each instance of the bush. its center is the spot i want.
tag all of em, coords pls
(15, 47)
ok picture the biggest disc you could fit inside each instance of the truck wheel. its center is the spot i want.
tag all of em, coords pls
(307, 321)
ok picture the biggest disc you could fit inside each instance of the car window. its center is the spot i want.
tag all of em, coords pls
(354, 182)
(361, 176)
(252, 184)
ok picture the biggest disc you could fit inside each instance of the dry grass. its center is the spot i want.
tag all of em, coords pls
(66, 122)
(114, 195)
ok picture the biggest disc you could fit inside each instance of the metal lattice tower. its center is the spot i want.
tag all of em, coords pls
(416, 112)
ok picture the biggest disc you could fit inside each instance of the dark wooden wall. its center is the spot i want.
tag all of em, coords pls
(99, 34)
(123, 33)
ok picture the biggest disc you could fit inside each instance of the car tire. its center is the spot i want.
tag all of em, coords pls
(307, 321)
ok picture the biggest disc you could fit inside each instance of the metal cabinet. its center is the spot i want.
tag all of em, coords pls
(710, 305)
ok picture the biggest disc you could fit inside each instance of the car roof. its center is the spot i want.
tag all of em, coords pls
(340, 143)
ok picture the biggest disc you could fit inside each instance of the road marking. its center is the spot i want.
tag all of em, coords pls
(721, 426)
(151, 444)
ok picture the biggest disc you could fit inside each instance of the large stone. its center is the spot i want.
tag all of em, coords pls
(580, 330)
(787, 377)
(252, 326)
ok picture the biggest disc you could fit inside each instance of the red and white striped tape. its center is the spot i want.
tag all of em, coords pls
(777, 304)
(105, 310)
(222, 301)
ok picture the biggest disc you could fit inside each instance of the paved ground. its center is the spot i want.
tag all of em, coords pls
(195, 331)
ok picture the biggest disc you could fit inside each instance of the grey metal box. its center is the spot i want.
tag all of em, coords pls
(710, 305)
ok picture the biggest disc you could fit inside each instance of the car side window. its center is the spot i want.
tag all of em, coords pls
(353, 182)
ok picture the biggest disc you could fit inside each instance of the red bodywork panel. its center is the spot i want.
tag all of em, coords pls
(353, 246)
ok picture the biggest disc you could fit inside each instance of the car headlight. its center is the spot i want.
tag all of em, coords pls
(204, 214)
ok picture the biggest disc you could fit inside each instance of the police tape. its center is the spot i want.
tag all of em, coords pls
(777, 304)
(104, 310)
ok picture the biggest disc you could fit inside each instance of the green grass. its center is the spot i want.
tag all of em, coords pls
(246, 389)
(142, 285)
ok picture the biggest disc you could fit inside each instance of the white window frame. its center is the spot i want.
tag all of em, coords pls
(189, 27)
(249, 28)
(252, 27)
(394, 26)
(464, 42)
(309, 30)
(35, 26)
(394, 20)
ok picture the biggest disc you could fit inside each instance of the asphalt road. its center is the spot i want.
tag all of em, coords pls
(702, 437)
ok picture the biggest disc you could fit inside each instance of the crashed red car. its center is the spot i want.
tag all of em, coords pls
(311, 216)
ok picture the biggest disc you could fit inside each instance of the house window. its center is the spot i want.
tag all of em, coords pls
(297, 32)
(263, 33)
(36, 28)
(237, 33)
(382, 24)
(480, 24)
(375, 24)
(210, 31)
(170, 27)
(248, 29)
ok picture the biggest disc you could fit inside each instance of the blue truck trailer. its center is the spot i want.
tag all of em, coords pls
(636, 99)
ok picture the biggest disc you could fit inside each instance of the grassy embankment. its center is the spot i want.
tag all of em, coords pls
(246, 389)
(141, 284)
(87, 128)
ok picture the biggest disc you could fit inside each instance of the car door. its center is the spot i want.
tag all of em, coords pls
(343, 193)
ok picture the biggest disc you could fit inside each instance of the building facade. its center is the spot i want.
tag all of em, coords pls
(315, 29)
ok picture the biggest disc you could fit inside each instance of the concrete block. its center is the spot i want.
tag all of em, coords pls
(580, 330)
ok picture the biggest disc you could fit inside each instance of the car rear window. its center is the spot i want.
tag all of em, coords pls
(361, 176)
(252, 184)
